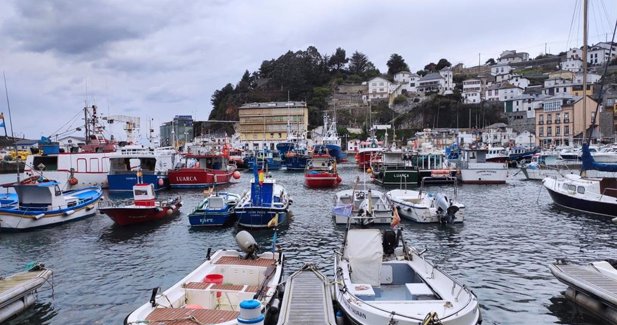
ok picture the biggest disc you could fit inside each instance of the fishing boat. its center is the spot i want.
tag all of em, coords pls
(367, 206)
(370, 150)
(393, 168)
(330, 141)
(18, 291)
(474, 169)
(378, 279)
(590, 286)
(296, 159)
(263, 159)
(152, 163)
(42, 203)
(202, 169)
(144, 208)
(266, 203)
(321, 172)
(217, 209)
(230, 287)
(86, 165)
(428, 207)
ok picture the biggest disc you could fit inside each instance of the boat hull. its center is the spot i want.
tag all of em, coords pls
(133, 215)
(259, 217)
(197, 177)
(484, 176)
(579, 204)
(321, 180)
(397, 177)
(211, 218)
(125, 182)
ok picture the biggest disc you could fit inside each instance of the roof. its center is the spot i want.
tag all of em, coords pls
(26, 142)
(431, 76)
(274, 105)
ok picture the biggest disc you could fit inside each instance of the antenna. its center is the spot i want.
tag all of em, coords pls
(8, 105)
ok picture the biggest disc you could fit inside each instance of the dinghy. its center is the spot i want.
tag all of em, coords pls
(215, 210)
(18, 291)
(366, 205)
(378, 282)
(219, 289)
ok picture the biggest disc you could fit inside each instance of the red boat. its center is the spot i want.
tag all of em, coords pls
(202, 170)
(321, 172)
(370, 150)
(145, 207)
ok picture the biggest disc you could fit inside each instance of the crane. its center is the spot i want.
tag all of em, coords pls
(131, 124)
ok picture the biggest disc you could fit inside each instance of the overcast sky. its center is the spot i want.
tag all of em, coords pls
(157, 58)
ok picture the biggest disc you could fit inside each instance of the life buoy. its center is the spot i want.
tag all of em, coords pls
(73, 181)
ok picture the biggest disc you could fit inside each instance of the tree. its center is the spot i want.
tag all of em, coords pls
(338, 59)
(358, 63)
(421, 73)
(396, 64)
(431, 67)
(442, 64)
(490, 61)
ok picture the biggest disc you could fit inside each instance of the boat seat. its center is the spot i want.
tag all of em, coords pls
(420, 291)
(361, 289)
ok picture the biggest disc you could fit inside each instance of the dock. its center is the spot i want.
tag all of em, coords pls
(307, 299)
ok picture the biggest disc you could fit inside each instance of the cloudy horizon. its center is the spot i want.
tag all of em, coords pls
(159, 58)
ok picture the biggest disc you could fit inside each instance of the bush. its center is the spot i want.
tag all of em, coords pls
(400, 99)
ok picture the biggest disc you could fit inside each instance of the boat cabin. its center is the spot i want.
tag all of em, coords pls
(214, 162)
(42, 196)
(124, 165)
(143, 195)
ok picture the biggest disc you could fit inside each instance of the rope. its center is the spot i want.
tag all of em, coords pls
(431, 319)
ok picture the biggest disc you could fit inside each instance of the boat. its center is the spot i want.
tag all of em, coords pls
(86, 165)
(217, 209)
(474, 169)
(296, 159)
(378, 279)
(590, 286)
(517, 155)
(330, 141)
(18, 291)
(428, 207)
(42, 203)
(496, 154)
(367, 206)
(370, 150)
(202, 169)
(236, 157)
(321, 172)
(144, 208)
(228, 285)
(152, 163)
(393, 167)
(266, 203)
(263, 159)
(548, 163)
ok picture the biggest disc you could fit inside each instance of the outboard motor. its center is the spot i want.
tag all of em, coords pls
(247, 244)
(390, 242)
(445, 210)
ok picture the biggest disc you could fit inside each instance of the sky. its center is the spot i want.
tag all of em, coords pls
(159, 58)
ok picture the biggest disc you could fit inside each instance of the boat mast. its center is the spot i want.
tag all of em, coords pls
(585, 71)
(8, 105)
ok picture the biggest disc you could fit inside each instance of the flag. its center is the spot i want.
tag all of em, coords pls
(274, 221)
(261, 177)
(396, 219)
(342, 210)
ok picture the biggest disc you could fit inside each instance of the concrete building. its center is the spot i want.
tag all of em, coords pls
(599, 53)
(407, 81)
(265, 124)
(561, 121)
(379, 89)
(437, 82)
(511, 56)
(177, 132)
(473, 91)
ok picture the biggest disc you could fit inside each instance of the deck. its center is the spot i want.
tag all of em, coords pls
(585, 278)
(235, 260)
(184, 316)
(307, 300)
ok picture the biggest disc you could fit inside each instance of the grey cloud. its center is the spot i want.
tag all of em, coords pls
(164, 95)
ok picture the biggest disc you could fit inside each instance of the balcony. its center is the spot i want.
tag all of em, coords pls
(557, 122)
(549, 122)
(565, 120)
(541, 122)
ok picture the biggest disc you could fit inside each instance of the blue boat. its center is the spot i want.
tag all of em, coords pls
(42, 203)
(215, 210)
(331, 141)
(153, 164)
(266, 204)
(296, 159)
(272, 160)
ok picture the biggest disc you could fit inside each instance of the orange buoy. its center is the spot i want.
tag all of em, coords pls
(368, 170)
(73, 181)
(236, 175)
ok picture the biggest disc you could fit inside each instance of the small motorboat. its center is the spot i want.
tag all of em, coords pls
(42, 203)
(365, 205)
(427, 207)
(397, 285)
(18, 291)
(321, 172)
(228, 288)
(591, 286)
(217, 209)
(144, 208)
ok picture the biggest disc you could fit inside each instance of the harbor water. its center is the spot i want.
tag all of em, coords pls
(511, 233)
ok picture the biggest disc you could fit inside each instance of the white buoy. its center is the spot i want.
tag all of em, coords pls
(250, 312)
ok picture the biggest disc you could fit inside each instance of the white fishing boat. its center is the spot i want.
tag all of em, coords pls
(474, 169)
(42, 203)
(366, 205)
(378, 282)
(591, 286)
(18, 291)
(218, 290)
(427, 207)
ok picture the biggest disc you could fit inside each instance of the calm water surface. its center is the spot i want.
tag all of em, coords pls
(511, 232)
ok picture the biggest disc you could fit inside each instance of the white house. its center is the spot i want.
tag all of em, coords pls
(503, 77)
(379, 88)
(519, 81)
(507, 91)
(472, 91)
(492, 93)
(438, 82)
(498, 136)
(592, 78)
(501, 68)
(557, 86)
(511, 56)
(526, 139)
(70, 141)
(523, 103)
(573, 65)
(408, 81)
(599, 53)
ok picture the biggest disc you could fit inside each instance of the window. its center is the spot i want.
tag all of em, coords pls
(557, 118)
(580, 189)
(557, 130)
(541, 119)
(541, 131)
(566, 117)
(549, 131)
(549, 118)
(566, 130)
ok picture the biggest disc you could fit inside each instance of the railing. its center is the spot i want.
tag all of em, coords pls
(541, 122)
(549, 122)
(565, 120)
(557, 121)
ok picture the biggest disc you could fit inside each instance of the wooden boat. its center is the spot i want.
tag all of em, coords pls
(145, 207)
(321, 172)
(214, 291)
(42, 203)
(397, 285)
(427, 207)
(215, 210)
(266, 203)
(18, 291)
(591, 286)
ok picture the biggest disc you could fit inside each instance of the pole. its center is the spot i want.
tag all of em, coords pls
(585, 70)
(8, 105)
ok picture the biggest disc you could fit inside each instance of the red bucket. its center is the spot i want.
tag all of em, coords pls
(213, 278)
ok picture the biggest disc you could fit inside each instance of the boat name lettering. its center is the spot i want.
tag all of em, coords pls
(358, 313)
(400, 175)
(484, 172)
(206, 220)
(186, 178)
